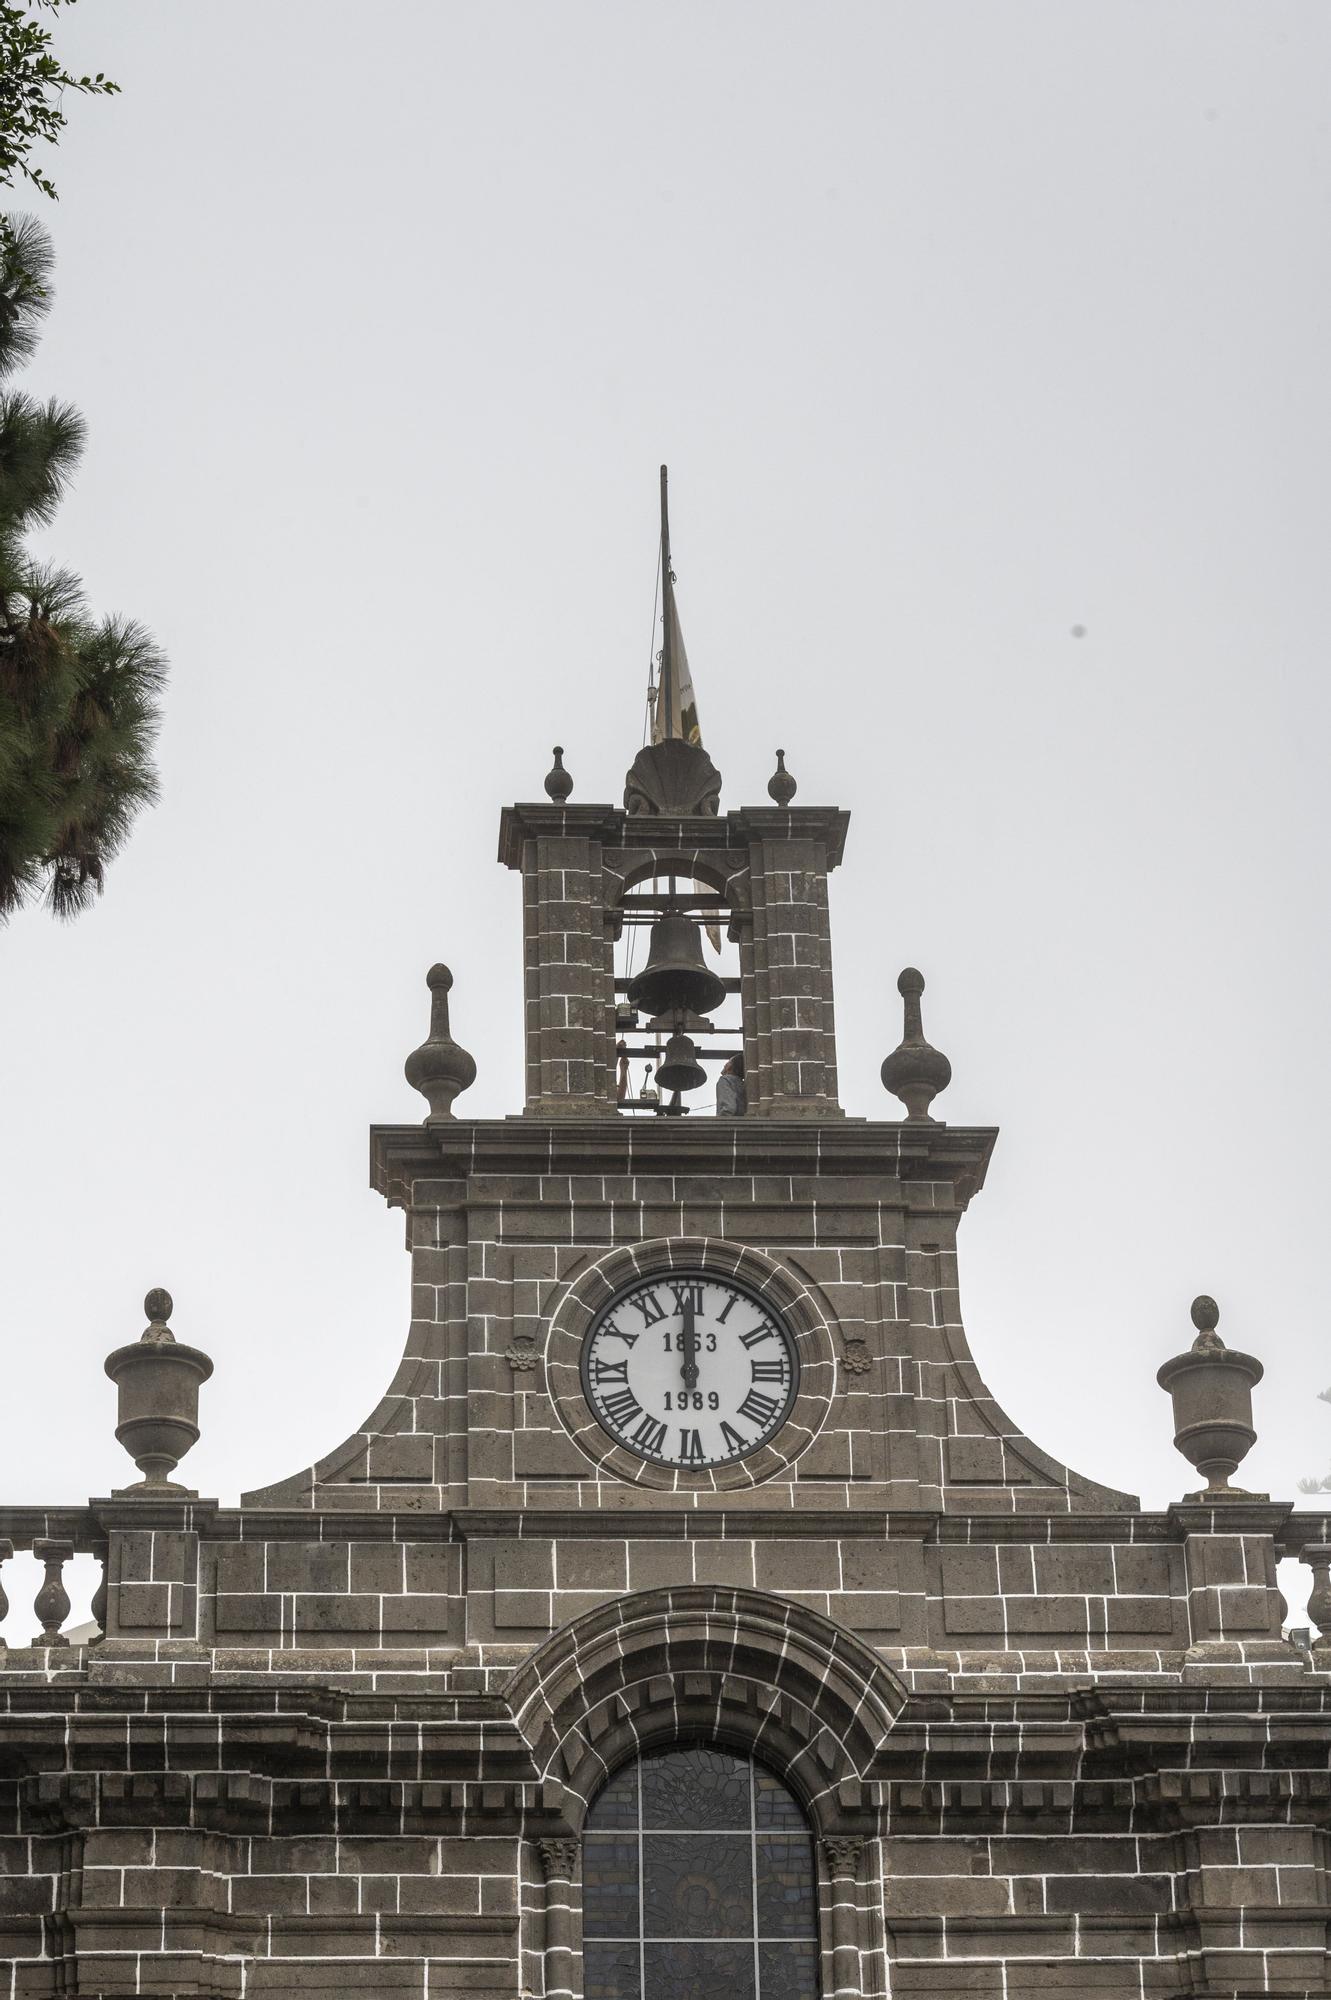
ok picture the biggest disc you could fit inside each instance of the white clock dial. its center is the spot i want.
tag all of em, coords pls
(690, 1370)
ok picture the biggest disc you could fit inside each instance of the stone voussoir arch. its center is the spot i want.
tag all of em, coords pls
(726, 870)
(784, 1288)
(740, 1668)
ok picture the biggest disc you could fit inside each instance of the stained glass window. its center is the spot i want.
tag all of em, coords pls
(698, 1884)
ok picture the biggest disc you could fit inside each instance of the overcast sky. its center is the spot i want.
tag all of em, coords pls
(987, 344)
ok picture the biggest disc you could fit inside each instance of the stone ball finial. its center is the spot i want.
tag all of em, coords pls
(1206, 1318)
(781, 786)
(557, 780)
(159, 1306)
(440, 1068)
(914, 1071)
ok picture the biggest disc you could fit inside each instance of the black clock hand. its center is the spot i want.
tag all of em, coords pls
(690, 1340)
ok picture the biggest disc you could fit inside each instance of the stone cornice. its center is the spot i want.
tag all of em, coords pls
(759, 1147)
(826, 823)
(1301, 1531)
(688, 1523)
(520, 823)
(88, 1525)
(616, 828)
(23, 1525)
(1250, 1514)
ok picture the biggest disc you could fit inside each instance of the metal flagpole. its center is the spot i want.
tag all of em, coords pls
(667, 601)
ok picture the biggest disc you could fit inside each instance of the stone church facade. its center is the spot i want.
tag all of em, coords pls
(688, 1619)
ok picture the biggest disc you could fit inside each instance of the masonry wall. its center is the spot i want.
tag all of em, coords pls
(341, 1738)
(220, 1823)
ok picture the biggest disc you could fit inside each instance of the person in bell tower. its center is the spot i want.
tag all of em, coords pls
(731, 1097)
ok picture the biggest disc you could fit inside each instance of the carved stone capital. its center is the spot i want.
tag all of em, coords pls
(559, 1859)
(843, 1855)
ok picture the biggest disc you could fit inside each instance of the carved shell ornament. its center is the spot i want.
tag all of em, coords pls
(672, 778)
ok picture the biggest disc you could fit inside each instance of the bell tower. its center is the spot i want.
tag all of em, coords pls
(761, 873)
(633, 1309)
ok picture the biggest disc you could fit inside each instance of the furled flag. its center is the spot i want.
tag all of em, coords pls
(676, 704)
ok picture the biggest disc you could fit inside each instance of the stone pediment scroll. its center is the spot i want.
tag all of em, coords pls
(672, 777)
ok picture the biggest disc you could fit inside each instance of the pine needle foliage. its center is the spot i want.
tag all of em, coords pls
(78, 698)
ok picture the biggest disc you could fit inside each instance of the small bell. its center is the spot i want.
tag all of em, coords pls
(680, 1068)
(675, 980)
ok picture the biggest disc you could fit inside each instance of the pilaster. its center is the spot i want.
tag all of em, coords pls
(786, 962)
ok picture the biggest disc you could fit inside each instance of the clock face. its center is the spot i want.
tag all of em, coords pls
(690, 1370)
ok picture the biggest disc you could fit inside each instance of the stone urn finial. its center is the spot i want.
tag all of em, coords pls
(781, 786)
(557, 780)
(158, 1380)
(440, 1068)
(1211, 1386)
(914, 1071)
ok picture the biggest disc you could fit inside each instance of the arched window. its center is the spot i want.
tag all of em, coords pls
(698, 1884)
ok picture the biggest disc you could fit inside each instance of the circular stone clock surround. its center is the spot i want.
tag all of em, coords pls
(596, 1287)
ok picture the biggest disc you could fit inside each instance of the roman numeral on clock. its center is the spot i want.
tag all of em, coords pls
(690, 1447)
(650, 1436)
(757, 1407)
(767, 1371)
(734, 1442)
(609, 1332)
(688, 1294)
(759, 1333)
(613, 1371)
(623, 1406)
(647, 1304)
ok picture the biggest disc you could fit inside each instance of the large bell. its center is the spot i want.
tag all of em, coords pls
(680, 1068)
(674, 979)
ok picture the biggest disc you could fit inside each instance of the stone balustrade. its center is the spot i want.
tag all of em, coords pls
(54, 1536)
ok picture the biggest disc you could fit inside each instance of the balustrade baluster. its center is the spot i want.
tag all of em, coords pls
(52, 1601)
(98, 1606)
(1317, 1555)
